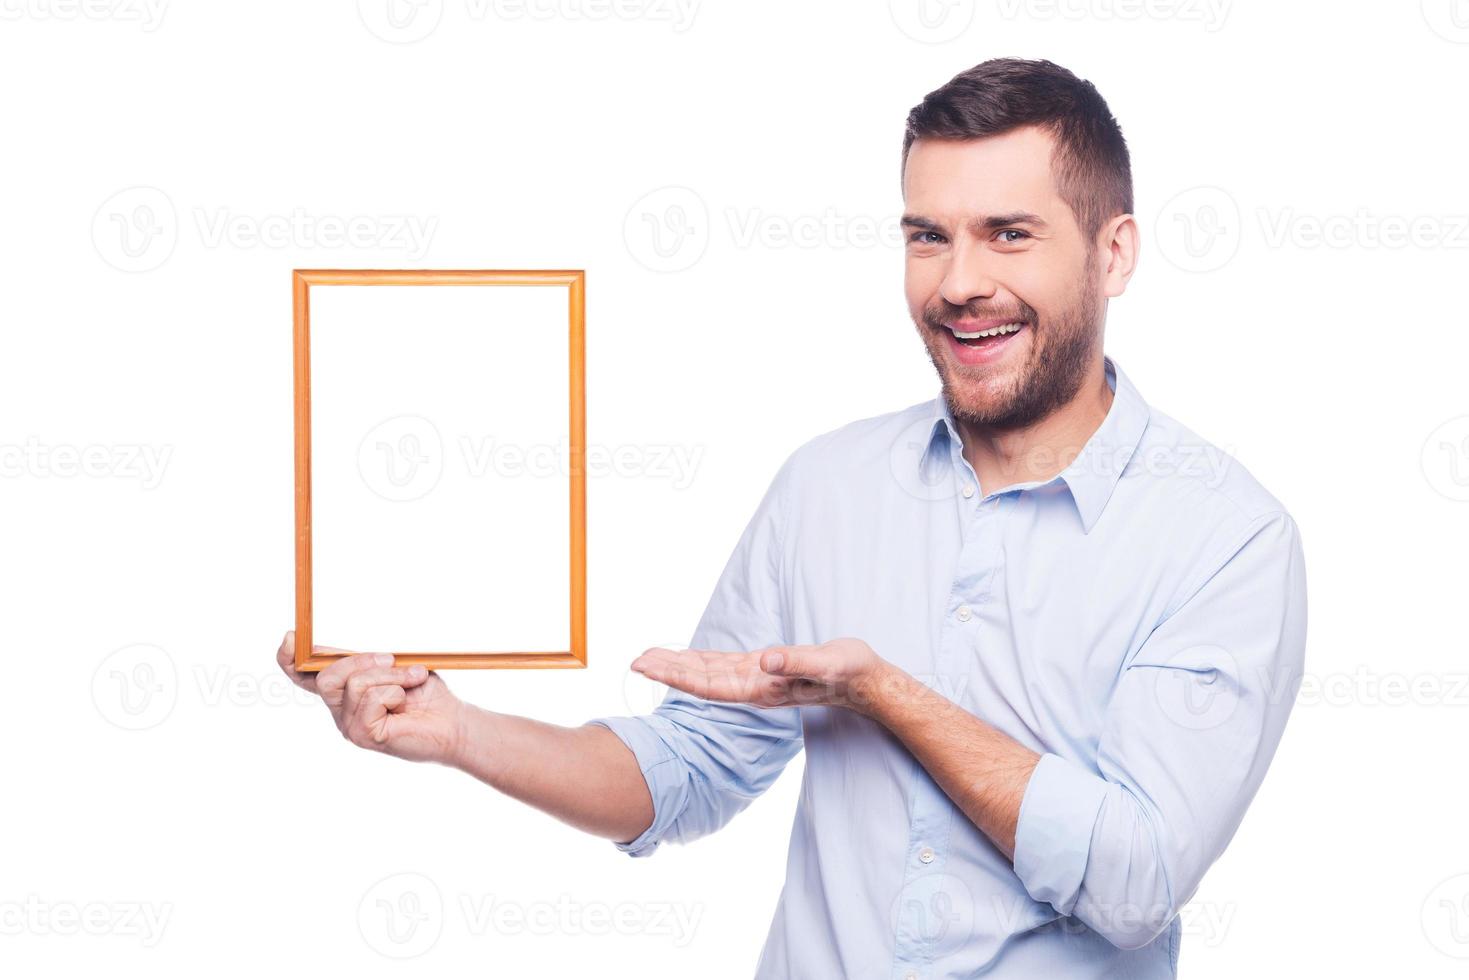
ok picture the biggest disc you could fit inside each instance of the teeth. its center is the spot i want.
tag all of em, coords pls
(995, 332)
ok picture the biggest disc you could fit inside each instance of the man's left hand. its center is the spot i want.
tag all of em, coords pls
(840, 673)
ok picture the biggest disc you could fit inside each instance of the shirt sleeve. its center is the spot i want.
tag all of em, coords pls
(705, 761)
(1191, 727)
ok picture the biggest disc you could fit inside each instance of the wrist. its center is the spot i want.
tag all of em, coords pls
(875, 688)
(471, 730)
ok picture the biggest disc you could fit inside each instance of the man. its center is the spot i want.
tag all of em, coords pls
(1039, 640)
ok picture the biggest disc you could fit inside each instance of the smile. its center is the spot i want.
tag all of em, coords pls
(992, 332)
(985, 342)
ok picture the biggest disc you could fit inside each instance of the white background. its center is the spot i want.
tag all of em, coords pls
(440, 467)
(165, 169)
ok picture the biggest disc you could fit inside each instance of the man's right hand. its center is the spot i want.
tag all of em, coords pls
(408, 712)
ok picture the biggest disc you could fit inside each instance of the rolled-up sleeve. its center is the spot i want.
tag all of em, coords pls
(1191, 727)
(705, 761)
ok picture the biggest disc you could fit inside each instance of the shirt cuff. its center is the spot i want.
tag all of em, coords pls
(660, 768)
(1054, 833)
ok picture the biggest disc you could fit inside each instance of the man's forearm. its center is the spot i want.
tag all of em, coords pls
(584, 776)
(980, 768)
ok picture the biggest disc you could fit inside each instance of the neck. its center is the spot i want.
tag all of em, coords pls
(1004, 457)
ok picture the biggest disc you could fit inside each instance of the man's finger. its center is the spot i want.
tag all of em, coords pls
(790, 661)
(376, 705)
(713, 676)
(331, 683)
(286, 657)
(363, 681)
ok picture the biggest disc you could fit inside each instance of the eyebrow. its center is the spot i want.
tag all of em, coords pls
(991, 222)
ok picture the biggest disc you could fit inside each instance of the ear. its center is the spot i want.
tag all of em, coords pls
(1117, 245)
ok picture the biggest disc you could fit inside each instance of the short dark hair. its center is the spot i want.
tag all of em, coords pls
(1090, 161)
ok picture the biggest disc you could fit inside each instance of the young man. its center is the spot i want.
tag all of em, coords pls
(1038, 639)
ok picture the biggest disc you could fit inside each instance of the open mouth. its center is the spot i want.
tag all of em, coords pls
(977, 338)
(982, 342)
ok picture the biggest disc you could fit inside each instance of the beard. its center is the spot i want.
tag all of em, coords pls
(1062, 348)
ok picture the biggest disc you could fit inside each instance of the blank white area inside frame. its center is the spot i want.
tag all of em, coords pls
(440, 468)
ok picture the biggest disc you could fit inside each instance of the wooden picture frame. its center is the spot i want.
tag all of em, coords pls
(308, 658)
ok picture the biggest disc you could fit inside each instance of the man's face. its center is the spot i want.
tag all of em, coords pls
(990, 244)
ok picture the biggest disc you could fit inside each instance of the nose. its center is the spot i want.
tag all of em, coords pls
(968, 276)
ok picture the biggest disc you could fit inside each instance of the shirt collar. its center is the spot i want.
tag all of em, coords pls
(1093, 475)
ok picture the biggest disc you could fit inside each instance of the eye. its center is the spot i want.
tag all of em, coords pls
(1019, 236)
(926, 237)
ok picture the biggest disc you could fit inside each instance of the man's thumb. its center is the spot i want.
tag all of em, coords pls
(777, 662)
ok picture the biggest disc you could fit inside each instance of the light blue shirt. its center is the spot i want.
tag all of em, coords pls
(1139, 619)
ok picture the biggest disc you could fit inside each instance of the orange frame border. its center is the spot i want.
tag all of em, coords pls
(307, 657)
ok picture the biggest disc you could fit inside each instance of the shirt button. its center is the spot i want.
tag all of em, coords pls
(963, 614)
(968, 491)
(926, 855)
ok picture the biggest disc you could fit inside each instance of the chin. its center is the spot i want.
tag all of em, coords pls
(979, 401)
